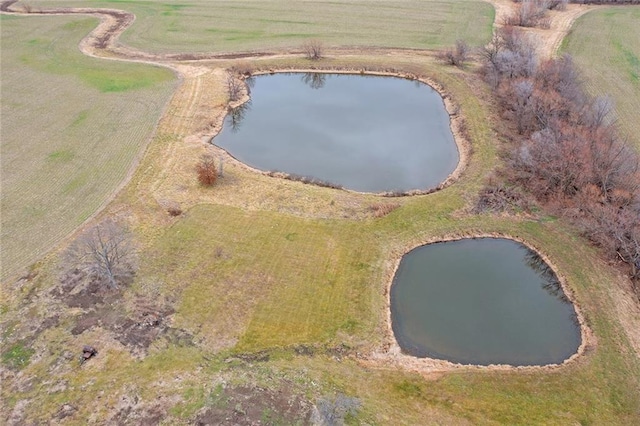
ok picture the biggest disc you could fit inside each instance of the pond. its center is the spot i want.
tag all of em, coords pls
(364, 133)
(482, 301)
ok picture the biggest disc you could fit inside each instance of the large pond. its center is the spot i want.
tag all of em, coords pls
(482, 301)
(365, 133)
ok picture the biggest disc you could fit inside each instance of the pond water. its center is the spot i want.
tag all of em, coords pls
(365, 133)
(482, 301)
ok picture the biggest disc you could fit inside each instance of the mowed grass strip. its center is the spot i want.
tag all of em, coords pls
(266, 279)
(227, 26)
(605, 43)
(72, 127)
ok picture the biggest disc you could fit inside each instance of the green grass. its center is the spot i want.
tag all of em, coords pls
(606, 45)
(17, 356)
(225, 26)
(72, 127)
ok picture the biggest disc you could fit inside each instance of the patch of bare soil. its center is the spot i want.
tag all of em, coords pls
(132, 411)
(136, 329)
(244, 405)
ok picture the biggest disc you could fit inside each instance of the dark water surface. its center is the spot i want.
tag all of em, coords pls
(482, 301)
(365, 133)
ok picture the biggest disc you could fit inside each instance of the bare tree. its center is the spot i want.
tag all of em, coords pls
(234, 87)
(530, 13)
(104, 252)
(313, 49)
(457, 55)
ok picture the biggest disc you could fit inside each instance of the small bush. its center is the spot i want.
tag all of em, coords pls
(531, 13)
(383, 209)
(243, 68)
(499, 198)
(457, 55)
(174, 210)
(313, 49)
(207, 172)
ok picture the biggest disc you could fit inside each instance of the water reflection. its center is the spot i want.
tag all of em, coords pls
(237, 115)
(314, 80)
(481, 301)
(551, 282)
(369, 134)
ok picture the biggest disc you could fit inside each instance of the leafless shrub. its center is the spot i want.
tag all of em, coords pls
(530, 13)
(234, 87)
(511, 54)
(313, 49)
(598, 112)
(618, 231)
(105, 253)
(457, 55)
(383, 209)
(243, 68)
(499, 197)
(207, 172)
(559, 5)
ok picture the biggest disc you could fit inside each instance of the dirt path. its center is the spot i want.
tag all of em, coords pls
(548, 40)
(103, 41)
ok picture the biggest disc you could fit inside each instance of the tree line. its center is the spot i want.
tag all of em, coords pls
(563, 148)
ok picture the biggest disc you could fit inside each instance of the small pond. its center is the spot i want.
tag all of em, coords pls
(365, 133)
(482, 301)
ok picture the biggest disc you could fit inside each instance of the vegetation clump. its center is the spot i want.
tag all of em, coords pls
(234, 88)
(457, 55)
(564, 148)
(104, 253)
(313, 49)
(17, 356)
(207, 171)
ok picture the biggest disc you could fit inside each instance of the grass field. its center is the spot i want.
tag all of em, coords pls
(606, 45)
(267, 286)
(227, 26)
(72, 127)
(269, 296)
